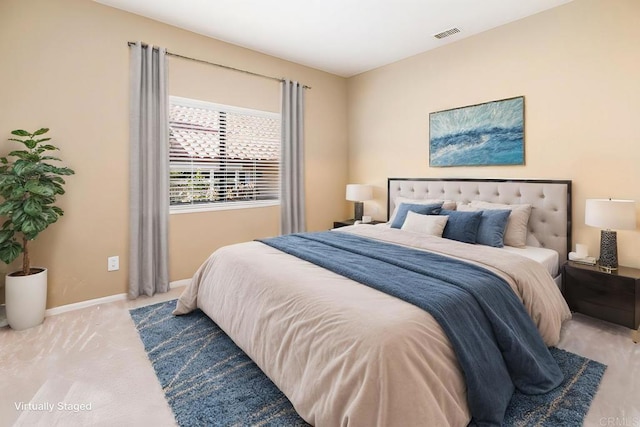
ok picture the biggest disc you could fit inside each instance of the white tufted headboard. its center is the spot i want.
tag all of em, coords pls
(550, 220)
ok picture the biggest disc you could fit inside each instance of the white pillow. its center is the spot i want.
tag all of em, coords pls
(446, 204)
(432, 225)
(516, 232)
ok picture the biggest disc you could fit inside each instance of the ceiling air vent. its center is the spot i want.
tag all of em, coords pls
(446, 33)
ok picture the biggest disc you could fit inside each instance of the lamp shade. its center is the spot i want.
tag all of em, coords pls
(611, 214)
(359, 192)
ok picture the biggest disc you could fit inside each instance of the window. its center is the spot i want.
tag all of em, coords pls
(222, 157)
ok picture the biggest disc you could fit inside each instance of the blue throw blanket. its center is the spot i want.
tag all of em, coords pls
(496, 342)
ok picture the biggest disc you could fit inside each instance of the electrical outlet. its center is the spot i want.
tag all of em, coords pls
(113, 263)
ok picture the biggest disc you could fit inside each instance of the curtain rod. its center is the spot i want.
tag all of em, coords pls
(220, 65)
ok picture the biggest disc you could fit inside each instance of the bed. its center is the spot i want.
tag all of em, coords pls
(347, 354)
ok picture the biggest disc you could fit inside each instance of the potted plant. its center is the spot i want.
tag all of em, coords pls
(29, 186)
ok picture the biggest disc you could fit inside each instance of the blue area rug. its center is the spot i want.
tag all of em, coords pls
(208, 380)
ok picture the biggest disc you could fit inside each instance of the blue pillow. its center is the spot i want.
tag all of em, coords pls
(493, 222)
(401, 214)
(461, 226)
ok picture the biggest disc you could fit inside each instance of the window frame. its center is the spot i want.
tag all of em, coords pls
(221, 205)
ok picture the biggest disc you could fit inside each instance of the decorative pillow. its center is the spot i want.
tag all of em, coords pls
(446, 204)
(516, 231)
(492, 226)
(425, 224)
(461, 226)
(493, 223)
(403, 208)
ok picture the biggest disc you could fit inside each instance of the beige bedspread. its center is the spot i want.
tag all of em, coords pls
(346, 354)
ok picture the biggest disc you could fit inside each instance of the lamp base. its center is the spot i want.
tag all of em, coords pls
(608, 250)
(358, 210)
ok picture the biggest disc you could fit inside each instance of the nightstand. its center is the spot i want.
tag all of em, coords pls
(614, 297)
(338, 224)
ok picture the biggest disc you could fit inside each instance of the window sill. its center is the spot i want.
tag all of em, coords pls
(185, 209)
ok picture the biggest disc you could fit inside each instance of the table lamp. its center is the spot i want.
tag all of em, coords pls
(358, 193)
(610, 215)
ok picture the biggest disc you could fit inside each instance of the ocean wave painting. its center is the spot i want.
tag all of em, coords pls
(479, 135)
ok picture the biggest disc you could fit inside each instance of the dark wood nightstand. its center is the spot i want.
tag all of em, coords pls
(614, 297)
(338, 224)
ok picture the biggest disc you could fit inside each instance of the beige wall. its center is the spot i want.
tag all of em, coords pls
(65, 66)
(578, 67)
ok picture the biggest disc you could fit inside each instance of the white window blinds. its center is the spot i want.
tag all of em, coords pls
(222, 156)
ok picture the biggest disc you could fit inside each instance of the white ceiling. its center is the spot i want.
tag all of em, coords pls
(343, 37)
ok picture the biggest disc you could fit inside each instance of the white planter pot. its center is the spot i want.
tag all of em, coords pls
(26, 299)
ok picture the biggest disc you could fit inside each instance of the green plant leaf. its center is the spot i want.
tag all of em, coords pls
(42, 140)
(17, 191)
(18, 165)
(58, 188)
(20, 132)
(24, 168)
(47, 200)
(36, 188)
(4, 160)
(30, 143)
(50, 158)
(9, 251)
(58, 171)
(41, 190)
(58, 179)
(50, 215)
(48, 147)
(25, 155)
(47, 168)
(18, 153)
(6, 235)
(31, 227)
(17, 218)
(32, 207)
(41, 131)
(7, 179)
(8, 206)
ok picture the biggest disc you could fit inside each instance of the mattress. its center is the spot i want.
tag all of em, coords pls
(547, 257)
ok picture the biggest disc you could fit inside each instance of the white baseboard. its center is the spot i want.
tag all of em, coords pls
(104, 300)
(179, 283)
(84, 304)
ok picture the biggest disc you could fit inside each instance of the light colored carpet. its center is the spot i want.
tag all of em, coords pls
(94, 356)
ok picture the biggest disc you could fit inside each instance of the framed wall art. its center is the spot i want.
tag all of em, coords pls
(486, 134)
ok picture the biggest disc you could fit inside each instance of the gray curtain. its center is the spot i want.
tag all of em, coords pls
(292, 216)
(149, 171)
